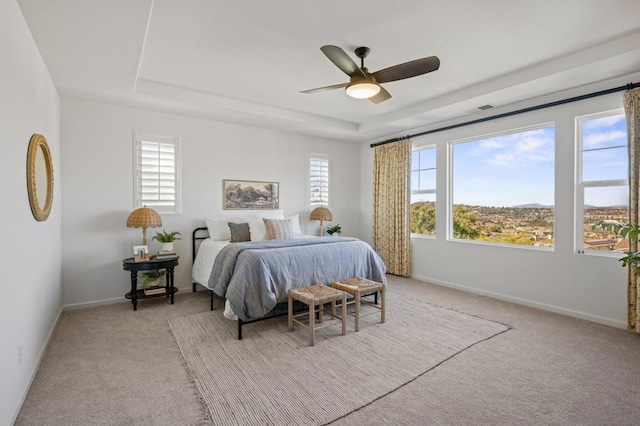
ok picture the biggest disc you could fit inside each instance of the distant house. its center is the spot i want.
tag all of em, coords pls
(601, 244)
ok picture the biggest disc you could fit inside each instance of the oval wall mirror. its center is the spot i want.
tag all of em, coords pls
(39, 177)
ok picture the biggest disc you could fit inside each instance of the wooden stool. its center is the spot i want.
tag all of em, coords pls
(317, 295)
(359, 287)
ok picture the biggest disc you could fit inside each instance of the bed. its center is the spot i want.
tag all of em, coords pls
(254, 276)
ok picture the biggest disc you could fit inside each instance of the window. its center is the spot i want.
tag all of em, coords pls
(603, 188)
(318, 180)
(423, 191)
(503, 188)
(157, 173)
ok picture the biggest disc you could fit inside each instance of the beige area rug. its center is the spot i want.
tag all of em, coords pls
(273, 377)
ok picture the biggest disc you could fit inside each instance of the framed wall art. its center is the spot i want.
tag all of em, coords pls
(250, 195)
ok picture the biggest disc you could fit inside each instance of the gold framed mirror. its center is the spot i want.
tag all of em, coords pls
(39, 177)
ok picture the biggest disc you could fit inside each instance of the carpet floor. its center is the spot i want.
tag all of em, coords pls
(274, 377)
(109, 365)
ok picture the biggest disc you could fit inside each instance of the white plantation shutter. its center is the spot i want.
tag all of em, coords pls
(318, 180)
(157, 173)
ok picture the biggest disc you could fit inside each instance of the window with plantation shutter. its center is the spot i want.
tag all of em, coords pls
(318, 180)
(157, 177)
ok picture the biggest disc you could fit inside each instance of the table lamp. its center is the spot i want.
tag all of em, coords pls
(321, 214)
(144, 217)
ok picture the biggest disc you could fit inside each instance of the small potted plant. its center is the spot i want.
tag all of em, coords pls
(153, 278)
(167, 239)
(334, 230)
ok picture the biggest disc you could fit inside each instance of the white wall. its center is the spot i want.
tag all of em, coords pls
(98, 173)
(584, 286)
(31, 251)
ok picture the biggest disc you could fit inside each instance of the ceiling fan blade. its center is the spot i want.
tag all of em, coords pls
(322, 89)
(382, 96)
(341, 60)
(407, 70)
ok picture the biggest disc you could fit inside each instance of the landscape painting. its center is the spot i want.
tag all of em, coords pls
(249, 195)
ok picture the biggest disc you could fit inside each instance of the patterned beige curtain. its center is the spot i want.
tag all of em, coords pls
(632, 111)
(391, 190)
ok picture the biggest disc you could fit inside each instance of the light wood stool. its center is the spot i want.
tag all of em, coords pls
(359, 287)
(317, 295)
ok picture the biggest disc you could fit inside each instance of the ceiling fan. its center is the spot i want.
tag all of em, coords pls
(366, 85)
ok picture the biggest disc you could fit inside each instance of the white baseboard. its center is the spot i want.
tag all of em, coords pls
(526, 302)
(93, 304)
(104, 302)
(43, 349)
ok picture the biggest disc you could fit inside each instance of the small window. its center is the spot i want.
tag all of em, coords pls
(157, 173)
(423, 191)
(318, 180)
(603, 187)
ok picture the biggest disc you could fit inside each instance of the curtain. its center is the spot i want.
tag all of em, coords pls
(632, 111)
(391, 190)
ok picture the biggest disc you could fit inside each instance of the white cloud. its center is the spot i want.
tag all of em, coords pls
(515, 150)
(599, 123)
(597, 140)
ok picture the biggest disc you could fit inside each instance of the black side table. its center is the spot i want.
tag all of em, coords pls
(151, 265)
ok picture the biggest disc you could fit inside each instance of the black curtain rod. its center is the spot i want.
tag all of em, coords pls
(519, 111)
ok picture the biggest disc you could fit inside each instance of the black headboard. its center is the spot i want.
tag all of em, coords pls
(199, 234)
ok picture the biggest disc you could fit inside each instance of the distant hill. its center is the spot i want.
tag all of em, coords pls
(542, 206)
(532, 206)
(587, 207)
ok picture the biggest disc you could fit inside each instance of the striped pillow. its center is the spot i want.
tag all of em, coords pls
(278, 229)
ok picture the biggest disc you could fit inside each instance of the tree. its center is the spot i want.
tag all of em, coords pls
(423, 218)
(464, 223)
(495, 229)
(520, 239)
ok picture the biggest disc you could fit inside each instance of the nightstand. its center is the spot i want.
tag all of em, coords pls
(151, 265)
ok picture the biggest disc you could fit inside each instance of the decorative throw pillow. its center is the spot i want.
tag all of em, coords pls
(239, 232)
(279, 229)
(258, 231)
(295, 219)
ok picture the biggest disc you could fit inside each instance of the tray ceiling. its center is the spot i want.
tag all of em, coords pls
(232, 62)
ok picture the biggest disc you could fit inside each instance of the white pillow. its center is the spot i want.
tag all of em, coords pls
(219, 227)
(256, 225)
(295, 221)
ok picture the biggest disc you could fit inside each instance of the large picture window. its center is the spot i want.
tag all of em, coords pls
(503, 188)
(603, 189)
(423, 191)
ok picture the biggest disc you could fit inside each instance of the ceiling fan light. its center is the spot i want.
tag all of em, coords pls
(362, 89)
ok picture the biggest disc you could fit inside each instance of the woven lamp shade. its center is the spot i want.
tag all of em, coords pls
(321, 214)
(144, 218)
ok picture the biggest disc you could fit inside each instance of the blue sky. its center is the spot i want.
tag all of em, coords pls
(605, 157)
(518, 168)
(505, 170)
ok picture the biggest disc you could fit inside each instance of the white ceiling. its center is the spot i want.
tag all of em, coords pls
(246, 61)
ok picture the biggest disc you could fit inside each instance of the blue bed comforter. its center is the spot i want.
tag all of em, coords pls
(255, 276)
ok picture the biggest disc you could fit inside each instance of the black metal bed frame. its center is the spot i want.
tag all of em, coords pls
(202, 233)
